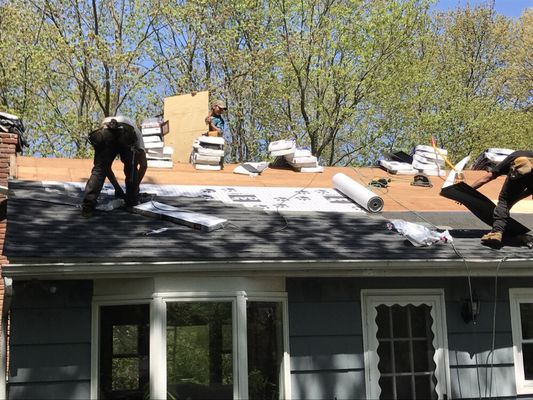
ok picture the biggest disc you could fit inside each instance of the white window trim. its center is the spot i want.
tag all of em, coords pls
(517, 296)
(95, 333)
(370, 299)
(158, 362)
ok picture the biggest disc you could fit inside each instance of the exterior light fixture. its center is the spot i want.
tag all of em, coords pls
(470, 308)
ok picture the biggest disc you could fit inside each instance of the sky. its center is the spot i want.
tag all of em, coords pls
(510, 8)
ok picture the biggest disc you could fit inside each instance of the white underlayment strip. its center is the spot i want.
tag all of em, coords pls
(266, 198)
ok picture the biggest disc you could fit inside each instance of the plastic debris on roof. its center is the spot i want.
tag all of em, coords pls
(419, 235)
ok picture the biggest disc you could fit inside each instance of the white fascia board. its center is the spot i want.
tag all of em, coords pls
(362, 268)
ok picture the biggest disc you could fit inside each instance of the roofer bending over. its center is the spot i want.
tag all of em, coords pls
(117, 136)
(517, 186)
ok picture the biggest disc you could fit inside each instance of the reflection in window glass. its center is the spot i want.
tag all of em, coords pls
(526, 316)
(265, 349)
(199, 350)
(124, 352)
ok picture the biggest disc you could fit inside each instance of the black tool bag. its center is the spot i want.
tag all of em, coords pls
(97, 138)
(113, 133)
(12, 124)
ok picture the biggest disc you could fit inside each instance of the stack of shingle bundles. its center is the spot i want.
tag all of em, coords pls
(429, 161)
(300, 159)
(303, 161)
(282, 147)
(208, 153)
(490, 158)
(157, 154)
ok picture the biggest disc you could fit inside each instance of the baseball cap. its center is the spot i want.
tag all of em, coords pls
(219, 103)
(521, 166)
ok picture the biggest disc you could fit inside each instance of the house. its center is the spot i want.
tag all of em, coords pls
(276, 304)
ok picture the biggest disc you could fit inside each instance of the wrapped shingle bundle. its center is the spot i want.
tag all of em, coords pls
(429, 160)
(208, 153)
(490, 158)
(157, 155)
(300, 159)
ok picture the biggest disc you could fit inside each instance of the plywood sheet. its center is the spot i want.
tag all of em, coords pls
(186, 115)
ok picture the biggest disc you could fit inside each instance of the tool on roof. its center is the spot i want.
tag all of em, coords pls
(434, 145)
(379, 182)
(421, 180)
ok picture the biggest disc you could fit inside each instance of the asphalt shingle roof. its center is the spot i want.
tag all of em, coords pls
(47, 226)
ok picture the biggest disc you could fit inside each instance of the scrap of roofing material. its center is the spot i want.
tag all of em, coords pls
(264, 198)
(398, 167)
(358, 193)
(251, 168)
(481, 206)
(110, 205)
(3, 189)
(419, 235)
(195, 220)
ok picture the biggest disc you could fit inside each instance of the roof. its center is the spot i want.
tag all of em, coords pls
(46, 234)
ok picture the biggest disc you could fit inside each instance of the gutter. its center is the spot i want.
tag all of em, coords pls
(287, 268)
(8, 295)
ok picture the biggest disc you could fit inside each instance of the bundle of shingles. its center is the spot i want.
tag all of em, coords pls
(423, 159)
(208, 153)
(157, 154)
(300, 159)
(490, 158)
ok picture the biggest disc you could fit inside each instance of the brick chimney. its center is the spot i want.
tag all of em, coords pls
(8, 143)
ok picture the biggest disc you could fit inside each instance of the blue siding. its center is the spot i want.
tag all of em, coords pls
(326, 342)
(50, 345)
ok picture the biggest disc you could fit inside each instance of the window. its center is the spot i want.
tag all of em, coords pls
(199, 350)
(406, 355)
(204, 347)
(265, 350)
(123, 355)
(521, 303)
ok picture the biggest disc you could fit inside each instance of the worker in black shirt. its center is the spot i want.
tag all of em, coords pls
(117, 136)
(518, 185)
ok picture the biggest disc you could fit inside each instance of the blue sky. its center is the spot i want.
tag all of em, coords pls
(510, 8)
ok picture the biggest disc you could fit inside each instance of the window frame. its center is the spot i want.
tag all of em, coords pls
(158, 362)
(370, 299)
(516, 297)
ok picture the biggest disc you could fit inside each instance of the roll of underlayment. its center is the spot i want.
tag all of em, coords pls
(358, 193)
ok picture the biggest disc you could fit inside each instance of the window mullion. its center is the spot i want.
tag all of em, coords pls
(158, 345)
(241, 362)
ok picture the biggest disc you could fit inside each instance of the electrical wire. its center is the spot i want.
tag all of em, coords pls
(468, 273)
(493, 345)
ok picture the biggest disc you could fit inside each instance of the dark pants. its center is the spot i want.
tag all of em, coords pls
(513, 190)
(104, 155)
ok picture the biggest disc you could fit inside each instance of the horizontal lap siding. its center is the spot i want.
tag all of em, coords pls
(50, 344)
(325, 325)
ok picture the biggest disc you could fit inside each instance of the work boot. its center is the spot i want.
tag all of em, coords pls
(492, 239)
(87, 212)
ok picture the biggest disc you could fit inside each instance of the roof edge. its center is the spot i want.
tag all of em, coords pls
(289, 268)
